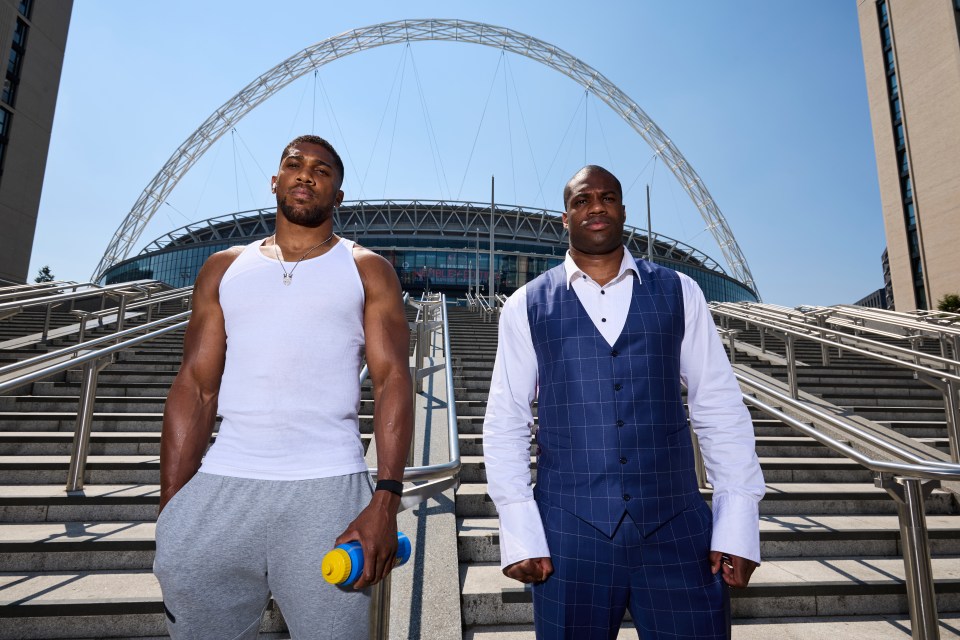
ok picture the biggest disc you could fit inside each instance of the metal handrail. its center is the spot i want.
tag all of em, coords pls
(452, 467)
(902, 481)
(915, 465)
(20, 305)
(804, 330)
(944, 381)
(37, 289)
(96, 348)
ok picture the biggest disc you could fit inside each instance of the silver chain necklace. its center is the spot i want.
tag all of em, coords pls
(288, 277)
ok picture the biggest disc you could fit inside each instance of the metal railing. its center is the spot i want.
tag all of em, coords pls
(908, 483)
(26, 291)
(436, 478)
(938, 372)
(125, 292)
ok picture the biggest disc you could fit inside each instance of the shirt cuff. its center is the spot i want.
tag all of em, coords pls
(521, 533)
(736, 526)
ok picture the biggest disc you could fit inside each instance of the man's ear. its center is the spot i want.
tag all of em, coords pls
(339, 198)
(563, 218)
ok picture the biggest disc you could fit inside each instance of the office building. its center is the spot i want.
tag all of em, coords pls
(911, 56)
(34, 32)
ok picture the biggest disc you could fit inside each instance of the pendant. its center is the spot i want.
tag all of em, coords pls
(287, 279)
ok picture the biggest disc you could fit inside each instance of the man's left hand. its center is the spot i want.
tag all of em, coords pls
(736, 570)
(376, 531)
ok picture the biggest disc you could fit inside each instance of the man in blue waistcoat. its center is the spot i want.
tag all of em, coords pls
(603, 343)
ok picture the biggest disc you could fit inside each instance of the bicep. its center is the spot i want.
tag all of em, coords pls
(205, 340)
(386, 333)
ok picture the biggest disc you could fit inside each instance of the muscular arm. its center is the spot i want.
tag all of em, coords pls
(191, 408)
(387, 353)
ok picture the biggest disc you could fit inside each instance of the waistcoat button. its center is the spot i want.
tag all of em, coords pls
(626, 497)
(623, 461)
(617, 387)
(619, 423)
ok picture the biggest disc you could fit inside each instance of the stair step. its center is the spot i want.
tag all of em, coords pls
(90, 604)
(822, 587)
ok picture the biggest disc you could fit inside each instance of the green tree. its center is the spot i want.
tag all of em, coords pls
(44, 275)
(949, 302)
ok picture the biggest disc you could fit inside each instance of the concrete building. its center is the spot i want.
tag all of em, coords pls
(34, 32)
(911, 55)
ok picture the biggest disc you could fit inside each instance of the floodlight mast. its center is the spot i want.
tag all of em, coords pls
(403, 31)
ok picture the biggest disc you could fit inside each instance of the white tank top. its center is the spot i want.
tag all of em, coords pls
(290, 392)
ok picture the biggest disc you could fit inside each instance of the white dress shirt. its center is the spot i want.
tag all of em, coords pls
(717, 414)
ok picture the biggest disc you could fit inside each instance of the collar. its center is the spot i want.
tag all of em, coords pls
(572, 271)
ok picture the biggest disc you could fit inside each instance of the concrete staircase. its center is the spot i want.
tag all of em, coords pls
(829, 538)
(80, 567)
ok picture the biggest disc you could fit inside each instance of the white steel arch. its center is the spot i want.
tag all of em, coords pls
(402, 31)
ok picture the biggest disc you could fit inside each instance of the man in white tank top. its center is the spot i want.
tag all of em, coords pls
(275, 344)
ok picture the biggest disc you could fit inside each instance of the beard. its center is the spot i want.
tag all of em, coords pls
(305, 216)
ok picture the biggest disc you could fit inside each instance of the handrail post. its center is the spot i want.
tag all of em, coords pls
(380, 610)
(824, 347)
(81, 434)
(46, 323)
(763, 339)
(791, 366)
(909, 494)
(413, 426)
(953, 417)
(122, 310)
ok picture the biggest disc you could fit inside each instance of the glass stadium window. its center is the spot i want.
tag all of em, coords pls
(25, 8)
(904, 162)
(894, 86)
(891, 67)
(898, 132)
(885, 36)
(911, 216)
(896, 109)
(907, 189)
(884, 15)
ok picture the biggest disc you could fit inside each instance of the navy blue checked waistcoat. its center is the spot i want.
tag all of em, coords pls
(613, 433)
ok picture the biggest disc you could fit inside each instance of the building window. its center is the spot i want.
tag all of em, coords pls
(903, 162)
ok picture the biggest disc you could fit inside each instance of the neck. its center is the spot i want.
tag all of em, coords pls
(602, 268)
(295, 239)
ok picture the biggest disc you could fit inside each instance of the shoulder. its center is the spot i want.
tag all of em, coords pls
(375, 271)
(211, 273)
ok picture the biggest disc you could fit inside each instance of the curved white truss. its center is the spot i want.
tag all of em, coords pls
(402, 31)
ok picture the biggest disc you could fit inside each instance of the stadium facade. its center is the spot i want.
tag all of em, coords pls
(433, 244)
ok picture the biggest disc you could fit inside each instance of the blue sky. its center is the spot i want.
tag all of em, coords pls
(765, 100)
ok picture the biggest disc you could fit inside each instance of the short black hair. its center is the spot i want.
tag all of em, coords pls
(590, 168)
(311, 139)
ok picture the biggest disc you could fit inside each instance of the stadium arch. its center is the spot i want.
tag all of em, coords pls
(403, 31)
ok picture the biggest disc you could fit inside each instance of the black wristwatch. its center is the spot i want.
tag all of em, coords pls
(392, 486)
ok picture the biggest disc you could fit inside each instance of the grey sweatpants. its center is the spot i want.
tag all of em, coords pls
(224, 544)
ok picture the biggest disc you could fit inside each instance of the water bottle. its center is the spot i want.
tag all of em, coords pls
(344, 564)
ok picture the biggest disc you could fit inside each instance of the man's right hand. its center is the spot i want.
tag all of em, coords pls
(530, 571)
